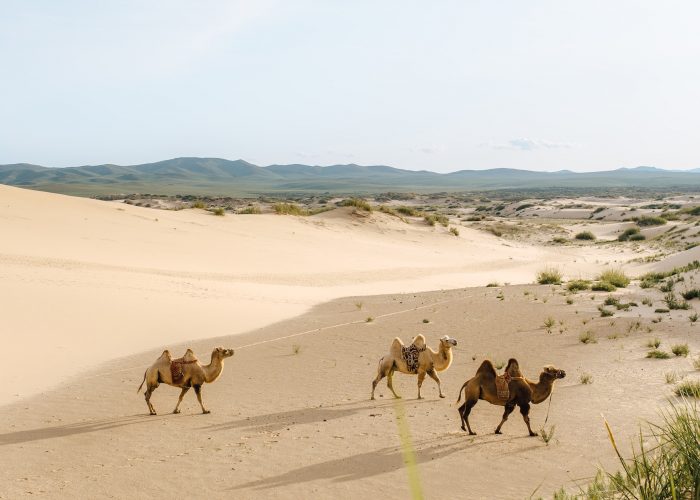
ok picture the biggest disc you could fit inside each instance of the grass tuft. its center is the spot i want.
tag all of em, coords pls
(654, 343)
(680, 350)
(615, 277)
(587, 337)
(586, 378)
(656, 354)
(549, 276)
(603, 286)
(689, 389)
(585, 235)
(578, 285)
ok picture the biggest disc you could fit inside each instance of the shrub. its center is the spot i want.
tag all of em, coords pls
(693, 293)
(585, 235)
(289, 209)
(357, 203)
(586, 378)
(689, 389)
(199, 204)
(627, 233)
(671, 377)
(696, 363)
(661, 310)
(587, 337)
(611, 301)
(499, 364)
(578, 285)
(693, 317)
(454, 231)
(651, 221)
(433, 218)
(547, 435)
(549, 276)
(410, 212)
(654, 343)
(637, 237)
(647, 301)
(680, 350)
(673, 303)
(603, 286)
(220, 211)
(296, 348)
(250, 210)
(559, 240)
(604, 313)
(656, 354)
(615, 277)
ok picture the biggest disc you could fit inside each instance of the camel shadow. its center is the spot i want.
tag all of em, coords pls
(60, 431)
(369, 464)
(272, 422)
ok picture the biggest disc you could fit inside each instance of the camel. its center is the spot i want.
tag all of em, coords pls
(184, 372)
(522, 391)
(422, 358)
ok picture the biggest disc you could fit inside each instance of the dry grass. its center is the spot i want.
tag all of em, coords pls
(549, 276)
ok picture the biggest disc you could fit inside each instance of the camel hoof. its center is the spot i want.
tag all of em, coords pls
(372, 398)
(533, 434)
(397, 397)
(153, 413)
(498, 432)
(420, 397)
(176, 411)
(442, 395)
(205, 412)
(473, 433)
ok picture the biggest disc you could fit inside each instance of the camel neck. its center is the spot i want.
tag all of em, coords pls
(542, 389)
(442, 359)
(213, 369)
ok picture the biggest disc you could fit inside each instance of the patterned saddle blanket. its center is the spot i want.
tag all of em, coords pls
(502, 382)
(410, 356)
(177, 372)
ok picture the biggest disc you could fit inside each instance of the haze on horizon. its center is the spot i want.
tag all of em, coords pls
(542, 85)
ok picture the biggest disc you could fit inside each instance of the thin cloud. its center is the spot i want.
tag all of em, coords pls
(525, 144)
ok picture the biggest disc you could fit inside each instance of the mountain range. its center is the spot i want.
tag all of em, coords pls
(220, 177)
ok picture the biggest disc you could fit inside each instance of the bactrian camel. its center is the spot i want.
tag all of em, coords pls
(184, 372)
(422, 360)
(522, 391)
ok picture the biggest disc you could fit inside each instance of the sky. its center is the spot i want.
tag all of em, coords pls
(443, 86)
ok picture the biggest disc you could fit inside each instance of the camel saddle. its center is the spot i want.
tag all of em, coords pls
(502, 382)
(410, 356)
(176, 371)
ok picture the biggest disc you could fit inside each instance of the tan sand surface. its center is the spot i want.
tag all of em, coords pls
(93, 291)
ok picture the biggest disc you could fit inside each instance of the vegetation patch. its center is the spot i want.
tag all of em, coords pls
(615, 277)
(603, 286)
(627, 233)
(578, 285)
(549, 276)
(657, 354)
(680, 350)
(649, 220)
(690, 389)
(357, 203)
(585, 235)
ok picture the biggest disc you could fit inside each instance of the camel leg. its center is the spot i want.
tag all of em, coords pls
(182, 395)
(509, 409)
(433, 375)
(464, 412)
(147, 395)
(198, 392)
(421, 378)
(525, 411)
(381, 373)
(390, 383)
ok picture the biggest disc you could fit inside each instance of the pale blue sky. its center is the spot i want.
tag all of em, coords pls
(542, 85)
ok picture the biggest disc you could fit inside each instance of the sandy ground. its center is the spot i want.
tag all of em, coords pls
(93, 291)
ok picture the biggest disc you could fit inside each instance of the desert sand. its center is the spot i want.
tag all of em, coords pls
(93, 291)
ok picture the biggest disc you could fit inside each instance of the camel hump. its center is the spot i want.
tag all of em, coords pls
(166, 355)
(486, 368)
(513, 368)
(395, 349)
(419, 341)
(189, 356)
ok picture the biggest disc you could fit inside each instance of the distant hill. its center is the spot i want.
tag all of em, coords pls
(219, 177)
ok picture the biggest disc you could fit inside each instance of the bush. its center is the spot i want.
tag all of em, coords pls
(549, 276)
(357, 203)
(689, 389)
(586, 378)
(604, 313)
(578, 285)
(410, 212)
(627, 233)
(289, 209)
(637, 237)
(220, 211)
(693, 293)
(603, 286)
(651, 221)
(250, 210)
(433, 218)
(615, 277)
(559, 240)
(680, 350)
(611, 301)
(656, 354)
(587, 337)
(673, 303)
(585, 235)
(654, 343)
(454, 231)
(199, 204)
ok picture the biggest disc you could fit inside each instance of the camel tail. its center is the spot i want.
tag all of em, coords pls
(461, 391)
(144, 379)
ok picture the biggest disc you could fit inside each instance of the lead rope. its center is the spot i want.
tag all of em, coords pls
(548, 407)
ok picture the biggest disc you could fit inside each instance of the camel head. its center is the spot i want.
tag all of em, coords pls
(221, 353)
(553, 373)
(447, 342)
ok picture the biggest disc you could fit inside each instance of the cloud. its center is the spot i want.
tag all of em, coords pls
(525, 144)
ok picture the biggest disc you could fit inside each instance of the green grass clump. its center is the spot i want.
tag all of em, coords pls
(549, 322)
(432, 219)
(656, 354)
(357, 203)
(250, 210)
(289, 209)
(586, 378)
(693, 293)
(655, 277)
(199, 204)
(408, 211)
(220, 211)
(615, 277)
(549, 276)
(587, 337)
(585, 235)
(611, 301)
(604, 313)
(689, 389)
(546, 435)
(578, 285)
(628, 233)
(654, 343)
(603, 286)
(680, 350)
(673, 303)
(651, 221)
(637, 237)
(454, 231)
